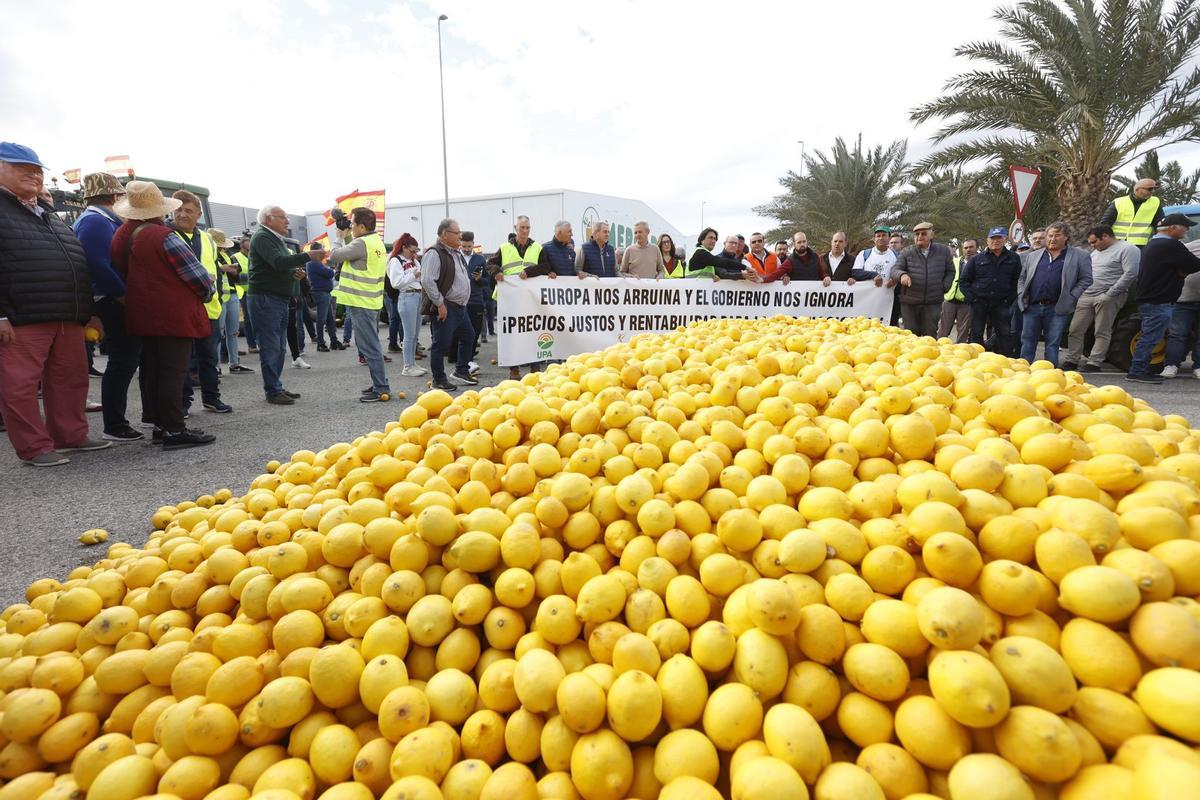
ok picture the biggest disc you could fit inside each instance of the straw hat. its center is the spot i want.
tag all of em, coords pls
(220, 239)
(144, 200)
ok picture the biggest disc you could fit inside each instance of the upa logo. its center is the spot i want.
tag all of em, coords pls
(545, 345)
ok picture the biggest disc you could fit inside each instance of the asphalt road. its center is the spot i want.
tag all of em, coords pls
(42, 512)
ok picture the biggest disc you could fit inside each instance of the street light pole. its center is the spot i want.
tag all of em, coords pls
(442, 87)
(702, 203)
(801, 141)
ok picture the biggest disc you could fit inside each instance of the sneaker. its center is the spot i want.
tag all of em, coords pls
(124, 435)
(469, 380)
(242, 353)
(87, 445)
(1143, 378)
(94, 373)
(514, 373)
(387, 360)
(293, 395)
(299, 363)
(483, 338)
(187, 438)
(472, 367)
(393, 348)
(50, 458)
(147, 424)
(362, 361)
(1069, 366)
(252, 350)
(1170, 371)
(218, 407)
(412, 372)
(367, 390)
(1089, 368)
(371, 397)
(444, 385)
(1195, 374)
(91, 407)
(322, 348)
(156, 436)
(281, 399)
(238, 369)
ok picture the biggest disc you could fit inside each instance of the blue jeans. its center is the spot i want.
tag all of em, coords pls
(443, 334)
(1185, 322)
(409, 305)
(1040, 322)
(1155, 318)
(347, 324)
(248, 324)
(325, 320)
(393, 313)
(229, 327)
(489, 306)
(270, 315)
(124, 353)
(208, 361)
(367, 320)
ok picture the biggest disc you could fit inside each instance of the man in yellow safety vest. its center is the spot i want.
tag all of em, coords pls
(519, 256)
(360, 290)
(231, 309)
(1134, 217)
(956, 312)
(206, 353)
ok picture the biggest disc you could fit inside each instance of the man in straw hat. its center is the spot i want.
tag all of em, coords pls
(231, 308)
(166, 288)
(45, 304)
(95, 229)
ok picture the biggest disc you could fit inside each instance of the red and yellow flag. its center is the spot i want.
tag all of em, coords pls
(373, 200)
(72, 175)
(322, 240)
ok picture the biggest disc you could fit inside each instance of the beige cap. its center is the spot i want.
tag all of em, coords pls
(923, 226)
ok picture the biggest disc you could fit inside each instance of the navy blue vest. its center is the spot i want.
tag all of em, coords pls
(602, 265)
(560, 256)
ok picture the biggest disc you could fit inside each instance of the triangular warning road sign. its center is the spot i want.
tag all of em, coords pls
(1024, 180)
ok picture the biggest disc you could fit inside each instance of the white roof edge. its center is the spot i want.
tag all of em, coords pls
(498, 196)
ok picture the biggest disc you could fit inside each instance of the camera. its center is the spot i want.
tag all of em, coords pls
(340, 219)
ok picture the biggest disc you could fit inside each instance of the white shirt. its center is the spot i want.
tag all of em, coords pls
(835, 261)
(875, 261)
(404, 276)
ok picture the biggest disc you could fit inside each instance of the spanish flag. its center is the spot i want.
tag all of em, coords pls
(322, 240)
(373, 200)
(72, 175)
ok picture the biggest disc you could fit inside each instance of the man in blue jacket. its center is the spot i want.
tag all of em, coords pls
(1052, 280)
(597, 256)
(320, 284)
(94, 229)
(989, 285)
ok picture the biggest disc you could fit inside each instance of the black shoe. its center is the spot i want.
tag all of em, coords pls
(281, 399)
(125, 434)
(393, 348)
(368, 390)
(444, 384)
(469, 380)
(156, 436)
(371, 397)
(186, 438)
(362, 361)
(1143, 378)
(322, 348)
(1089, 368)
(218, 407)
(94, 373)
(387, 360)
(293, 395)
(1069, 365)
(238, 369)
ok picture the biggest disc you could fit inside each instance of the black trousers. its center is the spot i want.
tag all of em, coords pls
(164, 369)
(997, 316)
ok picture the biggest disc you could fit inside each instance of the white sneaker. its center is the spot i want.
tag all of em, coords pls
(1170, 371)
(412, 372)
(472, 367)
(300, 363)
(1196, 373)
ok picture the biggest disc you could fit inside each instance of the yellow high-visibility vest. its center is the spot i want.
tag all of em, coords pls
(243, 277)
(955, 294)
(1135, 227)
(513, 263)
(679, 270)
(208, 257)
(362, 287)
(708, 271)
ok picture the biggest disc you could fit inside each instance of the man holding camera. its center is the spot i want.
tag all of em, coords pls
(275, 272)
(360, 290)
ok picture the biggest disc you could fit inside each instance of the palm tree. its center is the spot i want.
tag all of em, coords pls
(966, 204)
(1081, 87)
(847, 190)
(1174, 188)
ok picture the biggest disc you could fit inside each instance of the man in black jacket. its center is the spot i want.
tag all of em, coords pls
(45, 302)
(925, 272)
(1164, 264)
(989, 285)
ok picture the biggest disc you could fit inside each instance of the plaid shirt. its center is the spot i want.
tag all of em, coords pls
(188, 267)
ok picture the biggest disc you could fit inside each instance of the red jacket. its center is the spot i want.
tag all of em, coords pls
(769, 268)
(158, 302)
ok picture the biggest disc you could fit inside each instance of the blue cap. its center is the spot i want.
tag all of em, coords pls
(1023, 246)
(1000, 231)
(15, 153)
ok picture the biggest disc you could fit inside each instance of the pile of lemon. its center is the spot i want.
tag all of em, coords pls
(771, 559)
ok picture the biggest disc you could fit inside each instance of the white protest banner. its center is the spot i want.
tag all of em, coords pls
(542, 318)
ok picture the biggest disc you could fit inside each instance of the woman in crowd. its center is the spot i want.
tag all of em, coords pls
(404, 273)
(672, 263)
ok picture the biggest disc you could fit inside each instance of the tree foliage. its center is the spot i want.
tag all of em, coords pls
(1174, 187)
(1079, 87)
(848, 189)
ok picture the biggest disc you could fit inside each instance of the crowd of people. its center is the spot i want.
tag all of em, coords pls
(171, 301)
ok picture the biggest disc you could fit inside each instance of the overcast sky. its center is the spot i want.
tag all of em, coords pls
(297, 101)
